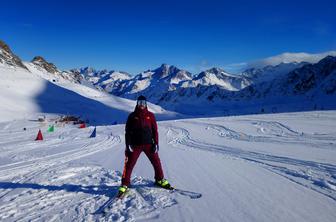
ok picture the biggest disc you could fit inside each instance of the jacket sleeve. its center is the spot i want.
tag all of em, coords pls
(127, 131)
(155, 130)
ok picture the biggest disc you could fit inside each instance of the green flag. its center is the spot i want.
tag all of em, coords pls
(51, 128)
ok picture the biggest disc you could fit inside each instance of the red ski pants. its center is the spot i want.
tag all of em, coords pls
(131, 159)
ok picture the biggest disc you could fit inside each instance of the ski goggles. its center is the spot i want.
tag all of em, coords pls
(141, 103)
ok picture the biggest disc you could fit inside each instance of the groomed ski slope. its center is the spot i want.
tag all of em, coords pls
(279, 167)
(25, 94)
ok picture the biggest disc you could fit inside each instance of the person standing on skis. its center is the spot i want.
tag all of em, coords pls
(141, 135)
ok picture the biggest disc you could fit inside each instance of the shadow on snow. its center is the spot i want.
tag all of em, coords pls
(108, 191)
(57, 100)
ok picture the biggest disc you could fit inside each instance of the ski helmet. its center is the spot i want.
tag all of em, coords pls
(141, 101)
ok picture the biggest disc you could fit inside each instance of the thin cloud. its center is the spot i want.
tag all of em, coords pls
(289, 58)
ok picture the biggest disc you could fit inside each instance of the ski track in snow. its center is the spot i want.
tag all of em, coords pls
(22, 173)
(35, 188)
(92, 187)
(320, 177)
(43, 182)
(274, 132)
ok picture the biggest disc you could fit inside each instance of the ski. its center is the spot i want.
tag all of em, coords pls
(106, 207)
(108, 204)
(190, 194)
(121, 195)
(166, 188)
(101, 209)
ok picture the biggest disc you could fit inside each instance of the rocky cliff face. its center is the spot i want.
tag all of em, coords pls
(7, 57)
(309, 80)
(43, 65)
(49, 67)
(320, 77)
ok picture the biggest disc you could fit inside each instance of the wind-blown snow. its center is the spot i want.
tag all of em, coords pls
(289, 57)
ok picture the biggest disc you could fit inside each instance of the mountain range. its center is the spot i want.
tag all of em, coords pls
(283, 86)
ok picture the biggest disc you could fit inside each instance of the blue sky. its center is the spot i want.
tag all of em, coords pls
(134, 36)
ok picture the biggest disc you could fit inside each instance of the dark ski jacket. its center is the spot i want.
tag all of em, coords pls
(141, 128)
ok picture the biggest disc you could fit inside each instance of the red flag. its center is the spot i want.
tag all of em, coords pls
(39, 135)
(82, 125)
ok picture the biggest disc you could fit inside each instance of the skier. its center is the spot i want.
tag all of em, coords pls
(141, 135)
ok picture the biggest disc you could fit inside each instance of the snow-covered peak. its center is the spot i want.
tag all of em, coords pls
(314, 77)
(219, 77)
(92, 72)
(312, 81)
(87, 71)
(24, 94)
(171, 73)
(112, 77)
(328, 60)
(119, 75)
(165, 70)
(215, 72)
(7, 57)
(101, 76)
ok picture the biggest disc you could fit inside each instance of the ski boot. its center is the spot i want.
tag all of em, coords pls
(164, 184)
(122, 191)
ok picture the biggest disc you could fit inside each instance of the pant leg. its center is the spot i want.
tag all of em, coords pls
(155, 160)
(130, 161)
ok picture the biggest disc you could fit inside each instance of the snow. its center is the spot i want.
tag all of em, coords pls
(290, 57)
(114, 77)
(140, 85)
(288, 83)
(221, 78)
(14, 98)
(25, 94)
(269, 73)
(275, 167)
(278, 167)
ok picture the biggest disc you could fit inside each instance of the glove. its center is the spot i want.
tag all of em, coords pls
(129, 148)
(155, 148)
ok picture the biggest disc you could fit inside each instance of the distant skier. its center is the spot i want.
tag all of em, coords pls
(141, 135)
